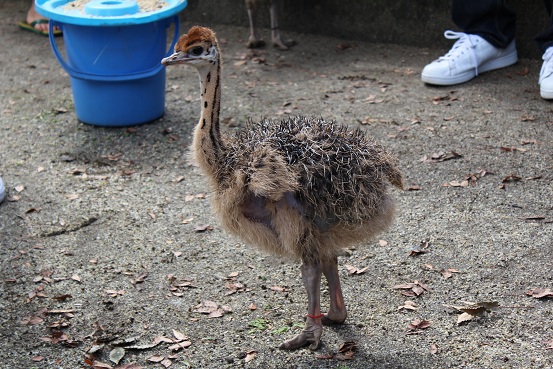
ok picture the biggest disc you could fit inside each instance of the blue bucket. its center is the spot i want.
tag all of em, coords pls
(116, 77)
(114, 61)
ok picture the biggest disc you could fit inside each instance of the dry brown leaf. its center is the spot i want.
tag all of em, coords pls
(421, 248)
(448, 273)
(203, 227)
(539, 293)
(180, 345)
(473, 310)
(408, 305)
(179, 336)
(413, 289)
(156, 359)
(417, 325)
(99, 365)
(441, 156)
(352, 270)
(250, 355)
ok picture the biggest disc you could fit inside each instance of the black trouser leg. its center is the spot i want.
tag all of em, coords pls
(490, 19)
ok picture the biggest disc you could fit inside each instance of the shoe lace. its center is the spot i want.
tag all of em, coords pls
(547, 67)
(464, 41)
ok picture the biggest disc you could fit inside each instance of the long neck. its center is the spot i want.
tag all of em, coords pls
(207, 145)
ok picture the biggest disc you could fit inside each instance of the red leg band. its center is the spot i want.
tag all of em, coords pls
(315, 316)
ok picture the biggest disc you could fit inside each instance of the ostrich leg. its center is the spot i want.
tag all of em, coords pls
(275, 28)
(254, 40)
(311, 334)
(337, 313)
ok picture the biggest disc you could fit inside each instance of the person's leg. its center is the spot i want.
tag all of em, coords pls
(33, 16)
(545, 39)
(485, 43)
(490, 19)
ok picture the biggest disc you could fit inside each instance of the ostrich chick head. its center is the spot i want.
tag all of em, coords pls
(198, 47)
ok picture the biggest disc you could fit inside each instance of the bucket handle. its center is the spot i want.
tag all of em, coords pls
(75, 73)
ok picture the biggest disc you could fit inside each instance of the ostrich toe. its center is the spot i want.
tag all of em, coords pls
(311, 336)
(283, 44)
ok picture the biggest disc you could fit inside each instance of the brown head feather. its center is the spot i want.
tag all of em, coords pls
(194, 36)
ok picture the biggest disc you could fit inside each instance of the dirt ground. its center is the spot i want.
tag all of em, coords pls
(109, 246)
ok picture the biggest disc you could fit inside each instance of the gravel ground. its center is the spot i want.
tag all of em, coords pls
(109, 244)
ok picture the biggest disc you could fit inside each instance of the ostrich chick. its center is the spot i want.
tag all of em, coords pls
(300, 187)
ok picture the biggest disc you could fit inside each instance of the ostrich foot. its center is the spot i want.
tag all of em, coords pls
(255, 43)
(333, 319)
(283, 45)
(309, 336)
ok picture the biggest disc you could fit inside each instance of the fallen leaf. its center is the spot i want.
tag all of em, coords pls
(116, 355)
(156, 359)
(179, 336)
(19, 188)
(408, 305)
(37, 358)
(203, 227)
(100, 365)
(473, 310)
(352, 270)
(549, 344)
(421, 248)
(539, 293)
(412, 289)
(250, 355)
(441, 156)
(212, 309)
(180, 345)
(325, 357)
(32, 320)
(448, 273)
(115, 293)
(417, 325)
(433, 349)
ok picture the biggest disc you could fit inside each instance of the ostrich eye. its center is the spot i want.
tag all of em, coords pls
(197, 51)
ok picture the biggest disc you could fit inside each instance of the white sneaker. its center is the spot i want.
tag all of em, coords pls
(470, 55)
(546, 75)
(2, 190)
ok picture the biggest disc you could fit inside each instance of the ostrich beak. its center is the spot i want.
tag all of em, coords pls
(177, 58)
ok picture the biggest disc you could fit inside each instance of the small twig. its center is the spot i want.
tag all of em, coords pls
(516, 307)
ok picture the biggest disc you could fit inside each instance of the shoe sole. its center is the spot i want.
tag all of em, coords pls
(546, 94)
(498, 63)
